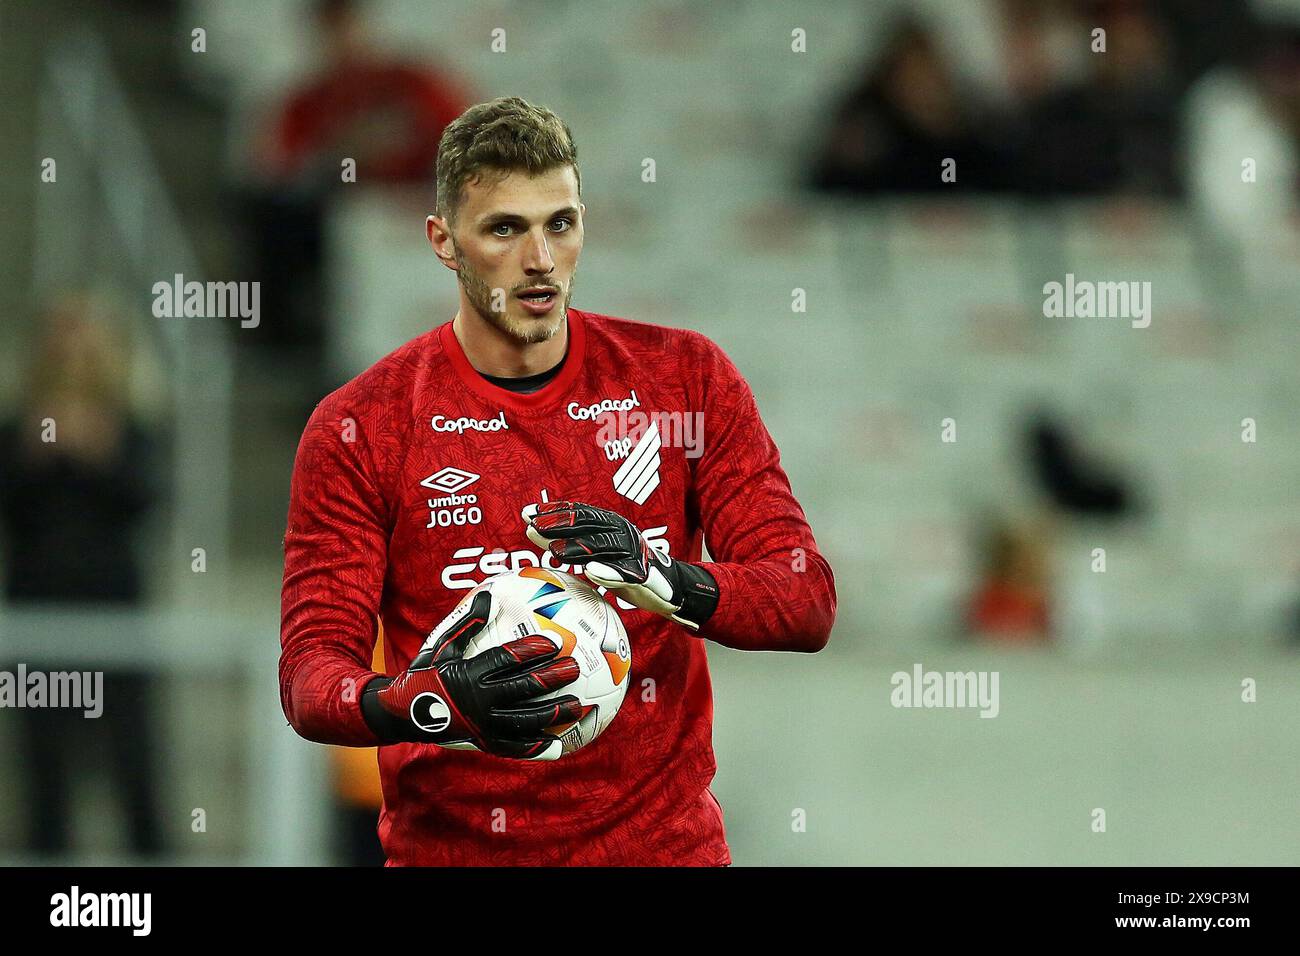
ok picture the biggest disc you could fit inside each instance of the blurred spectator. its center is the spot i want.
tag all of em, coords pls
(387, 116)
(1072, 482)
(1115, 130)
(905, 118)
(1043, 48)
(71, 496)
(1011, 602)
(1208, 33)
(1249, 113)
(1046, 44)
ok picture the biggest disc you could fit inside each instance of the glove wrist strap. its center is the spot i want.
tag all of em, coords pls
(389, 728)
(699, 591)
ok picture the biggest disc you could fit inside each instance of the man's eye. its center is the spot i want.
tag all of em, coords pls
(497, 229)
(564, 225)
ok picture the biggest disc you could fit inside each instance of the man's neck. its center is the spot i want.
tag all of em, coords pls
(492, 352)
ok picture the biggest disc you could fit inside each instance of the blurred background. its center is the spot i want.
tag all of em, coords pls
(1105, 515)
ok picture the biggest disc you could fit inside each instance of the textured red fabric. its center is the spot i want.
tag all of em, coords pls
(358, 548)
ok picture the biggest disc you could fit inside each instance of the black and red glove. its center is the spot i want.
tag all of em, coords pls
(616, 555)
(482, 702)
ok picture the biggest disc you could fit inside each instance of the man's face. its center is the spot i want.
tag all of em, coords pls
(515, 249)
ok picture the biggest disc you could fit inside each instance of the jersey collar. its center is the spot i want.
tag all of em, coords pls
(495, 395)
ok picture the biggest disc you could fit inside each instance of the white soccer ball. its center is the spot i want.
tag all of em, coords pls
(581, 624)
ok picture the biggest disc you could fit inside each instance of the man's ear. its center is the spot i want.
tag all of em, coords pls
(439, 233)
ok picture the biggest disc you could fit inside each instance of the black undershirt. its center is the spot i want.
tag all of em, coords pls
(528, 383)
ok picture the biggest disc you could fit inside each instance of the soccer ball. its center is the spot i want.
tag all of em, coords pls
(582, 625)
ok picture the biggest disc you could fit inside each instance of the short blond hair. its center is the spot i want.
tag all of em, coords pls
(501, 136)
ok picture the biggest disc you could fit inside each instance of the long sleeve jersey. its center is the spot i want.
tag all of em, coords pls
(407, 491)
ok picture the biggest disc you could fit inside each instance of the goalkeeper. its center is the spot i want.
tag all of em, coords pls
(527, 432)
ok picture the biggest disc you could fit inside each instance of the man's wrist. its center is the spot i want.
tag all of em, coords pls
(389, 728)
(699, 593)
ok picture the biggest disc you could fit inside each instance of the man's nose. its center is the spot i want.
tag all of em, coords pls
(537, 255)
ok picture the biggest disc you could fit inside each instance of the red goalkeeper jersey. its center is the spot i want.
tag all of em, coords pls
(407, 491)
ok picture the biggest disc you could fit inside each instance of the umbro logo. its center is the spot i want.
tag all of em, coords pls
(450, 480)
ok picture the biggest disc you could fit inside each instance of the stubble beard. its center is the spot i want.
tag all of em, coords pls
(526, 331)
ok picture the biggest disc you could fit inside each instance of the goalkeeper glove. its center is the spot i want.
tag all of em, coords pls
(481, 702)
(616, 555)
